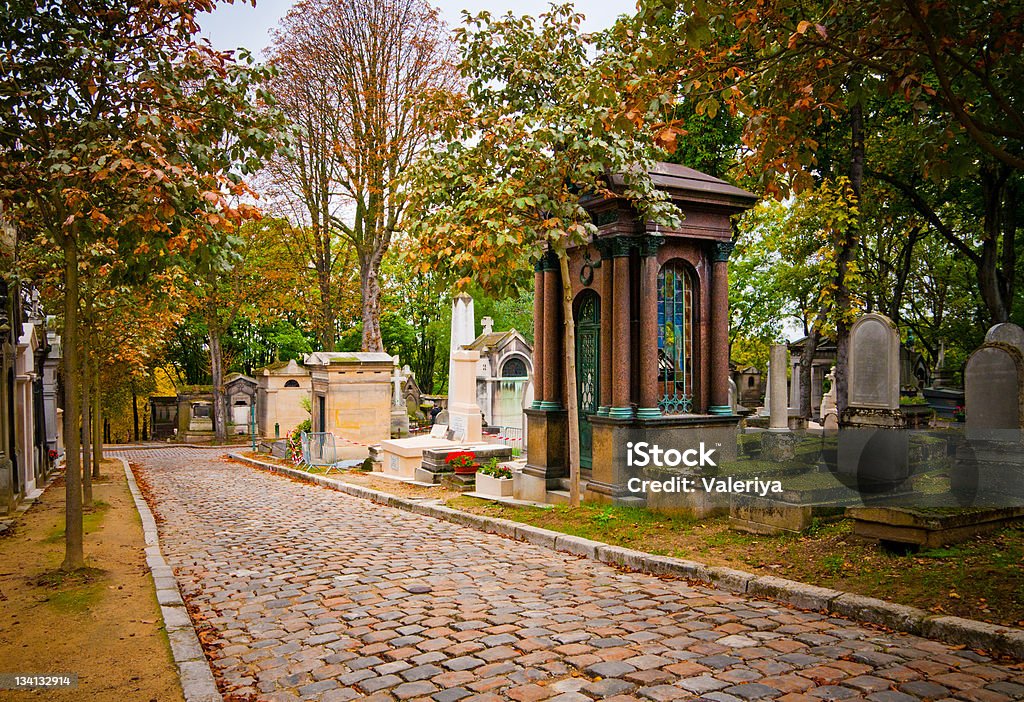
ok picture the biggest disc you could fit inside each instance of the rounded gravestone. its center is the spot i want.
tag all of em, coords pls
(994, 393)
(1006, 333)
(874, 380)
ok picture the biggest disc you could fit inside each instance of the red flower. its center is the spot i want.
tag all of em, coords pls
(463, 462)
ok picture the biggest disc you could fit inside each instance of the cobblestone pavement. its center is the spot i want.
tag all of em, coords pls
(315, 595)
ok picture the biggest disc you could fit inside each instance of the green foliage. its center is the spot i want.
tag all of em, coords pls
(512, 155)
(494, 470)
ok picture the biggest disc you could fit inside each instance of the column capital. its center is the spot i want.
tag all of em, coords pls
(548, 262)
(621, 246)
(650, 243)
(722, 250)
(604, 247)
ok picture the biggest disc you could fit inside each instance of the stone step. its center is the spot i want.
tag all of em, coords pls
(557, 497)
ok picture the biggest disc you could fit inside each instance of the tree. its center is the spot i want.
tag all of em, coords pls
(349, 71)
(818, 84)
(532, 132)
(110, 116)
(255, 283)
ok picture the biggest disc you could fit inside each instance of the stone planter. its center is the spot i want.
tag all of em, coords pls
(495, 487)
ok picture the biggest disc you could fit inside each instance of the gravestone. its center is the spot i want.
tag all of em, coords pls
(990, 464)
(1006, 333)
(399, 411)
(778, 405)
(464, 417)
(994, 389)
(874, 378)
(873, 450)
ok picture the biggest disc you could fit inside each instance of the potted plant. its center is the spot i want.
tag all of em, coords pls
(462, 462)
(494, 480)
(959, 414)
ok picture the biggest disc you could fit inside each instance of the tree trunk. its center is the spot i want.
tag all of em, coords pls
(220, 429)
(369, 287)
(570, 382)
(806, 363)
(844, 259)
(135, 412)
(74, 557)
(990, 282)
(329, 318)
(86, 428)
(97, 421)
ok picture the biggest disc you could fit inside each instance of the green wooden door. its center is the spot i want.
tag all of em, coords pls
(588, 353)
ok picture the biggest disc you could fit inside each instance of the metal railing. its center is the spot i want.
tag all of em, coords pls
(512, 437)
(318, 449)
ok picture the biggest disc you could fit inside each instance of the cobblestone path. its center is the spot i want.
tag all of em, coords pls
(315, 595)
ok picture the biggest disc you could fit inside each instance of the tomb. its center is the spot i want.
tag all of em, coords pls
(651, 314)
(351, 394)
(240, 403)
(283, 398)
(503, 376)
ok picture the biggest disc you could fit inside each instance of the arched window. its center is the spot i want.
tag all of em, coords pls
(675, 337)
(292, 384)
(513, 368)
(750, 382)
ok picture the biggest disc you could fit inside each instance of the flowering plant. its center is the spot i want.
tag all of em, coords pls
(52, 453)
(462, 461)
(295, 442)
(494, 470)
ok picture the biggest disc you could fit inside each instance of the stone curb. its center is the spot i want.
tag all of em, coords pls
(955, 630)
(194, 672)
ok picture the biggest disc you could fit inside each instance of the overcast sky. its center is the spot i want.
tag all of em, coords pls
(241, 25)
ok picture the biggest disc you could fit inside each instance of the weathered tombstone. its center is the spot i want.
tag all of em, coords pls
(464, 417)
(994, 389)
(779, 407)
(873, 444)
(990, 464)
(874, 378)
(1006, 333)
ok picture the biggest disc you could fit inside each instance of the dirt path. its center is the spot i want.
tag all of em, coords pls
(108, 631)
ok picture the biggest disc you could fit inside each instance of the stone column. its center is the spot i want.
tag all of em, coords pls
(621, 349)
(778, 443)
(720, 329)
(779, 417)
(648, 349)
(607, 332)
(538, 335)
(552, 364)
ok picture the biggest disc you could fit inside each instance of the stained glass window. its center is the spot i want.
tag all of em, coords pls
(675, 338)
(513, 368)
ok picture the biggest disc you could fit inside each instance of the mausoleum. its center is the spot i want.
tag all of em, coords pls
(651, 315)
(283, 398)
(352, 394)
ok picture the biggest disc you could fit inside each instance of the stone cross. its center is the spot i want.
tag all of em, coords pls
(488, 325)
(398, 399)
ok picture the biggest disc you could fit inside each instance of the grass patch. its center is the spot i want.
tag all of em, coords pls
(72, 592)
(92, 519)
